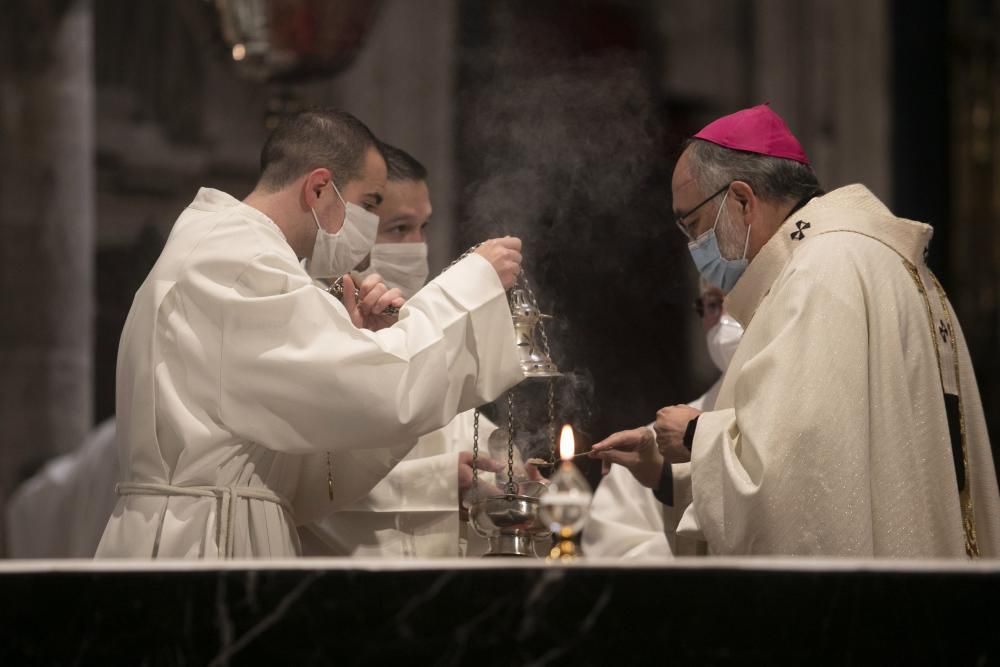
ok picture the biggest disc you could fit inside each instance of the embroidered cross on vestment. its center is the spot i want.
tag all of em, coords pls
(798, 234)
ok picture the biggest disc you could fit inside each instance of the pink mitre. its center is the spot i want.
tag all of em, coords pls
(755, 130)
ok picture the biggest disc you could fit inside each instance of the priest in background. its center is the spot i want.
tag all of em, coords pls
(849, 422)
(415, 511)
(249, 400)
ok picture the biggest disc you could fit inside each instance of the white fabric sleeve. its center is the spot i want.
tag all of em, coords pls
(298, 377)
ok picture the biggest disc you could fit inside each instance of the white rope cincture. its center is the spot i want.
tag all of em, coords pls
(225, 495)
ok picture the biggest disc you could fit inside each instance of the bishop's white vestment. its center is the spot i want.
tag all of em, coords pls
(242, 387)
(413, 512)
(831, 434)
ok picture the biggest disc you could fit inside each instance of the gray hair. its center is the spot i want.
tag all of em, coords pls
(771, 178)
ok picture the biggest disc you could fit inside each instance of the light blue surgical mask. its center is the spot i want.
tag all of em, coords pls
(716, 269)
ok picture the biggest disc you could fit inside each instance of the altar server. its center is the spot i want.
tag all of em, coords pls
(248, 400)
(849, 422)
(415, 511)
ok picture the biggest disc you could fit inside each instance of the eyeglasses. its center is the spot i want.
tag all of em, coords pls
(710, 305)
(679, 220)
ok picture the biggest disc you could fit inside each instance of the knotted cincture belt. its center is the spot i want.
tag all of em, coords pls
(224, 494)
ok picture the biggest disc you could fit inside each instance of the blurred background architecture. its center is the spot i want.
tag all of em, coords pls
(557, 121)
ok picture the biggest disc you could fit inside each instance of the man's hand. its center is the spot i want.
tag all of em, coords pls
(505, 256)
(374, 297)
(636, 450)
(671, 423)
(484, 464)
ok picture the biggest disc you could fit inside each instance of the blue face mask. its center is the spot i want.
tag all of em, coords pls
(716, 269)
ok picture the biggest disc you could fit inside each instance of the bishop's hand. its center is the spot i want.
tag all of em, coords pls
(367, 310)
(636, 450)
(670, 425)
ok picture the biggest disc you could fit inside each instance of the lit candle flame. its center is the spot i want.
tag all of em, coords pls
(567, 447)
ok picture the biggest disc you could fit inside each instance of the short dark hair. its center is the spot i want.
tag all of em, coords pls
(401, 165)
(771, 178)
(312, 139)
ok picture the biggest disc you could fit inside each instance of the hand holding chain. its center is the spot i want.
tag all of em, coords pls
(337, 290)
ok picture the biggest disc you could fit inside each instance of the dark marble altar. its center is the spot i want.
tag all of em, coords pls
(718, 612)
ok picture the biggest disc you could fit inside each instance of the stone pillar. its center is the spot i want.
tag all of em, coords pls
(46, 223)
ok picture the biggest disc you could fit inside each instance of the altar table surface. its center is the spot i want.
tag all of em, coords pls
(699, 611)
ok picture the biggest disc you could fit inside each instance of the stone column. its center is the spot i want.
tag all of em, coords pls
(46, 223)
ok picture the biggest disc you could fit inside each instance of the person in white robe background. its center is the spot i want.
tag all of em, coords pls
(61, 511)
(849, 422)
(415, 511)
(626, 520)
(249, 400)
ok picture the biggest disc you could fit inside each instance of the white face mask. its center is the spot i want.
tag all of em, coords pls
(723, 339)
(402, 265)
(336, 254)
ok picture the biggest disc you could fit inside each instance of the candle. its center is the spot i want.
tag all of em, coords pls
(564, 505)
(567, 446)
